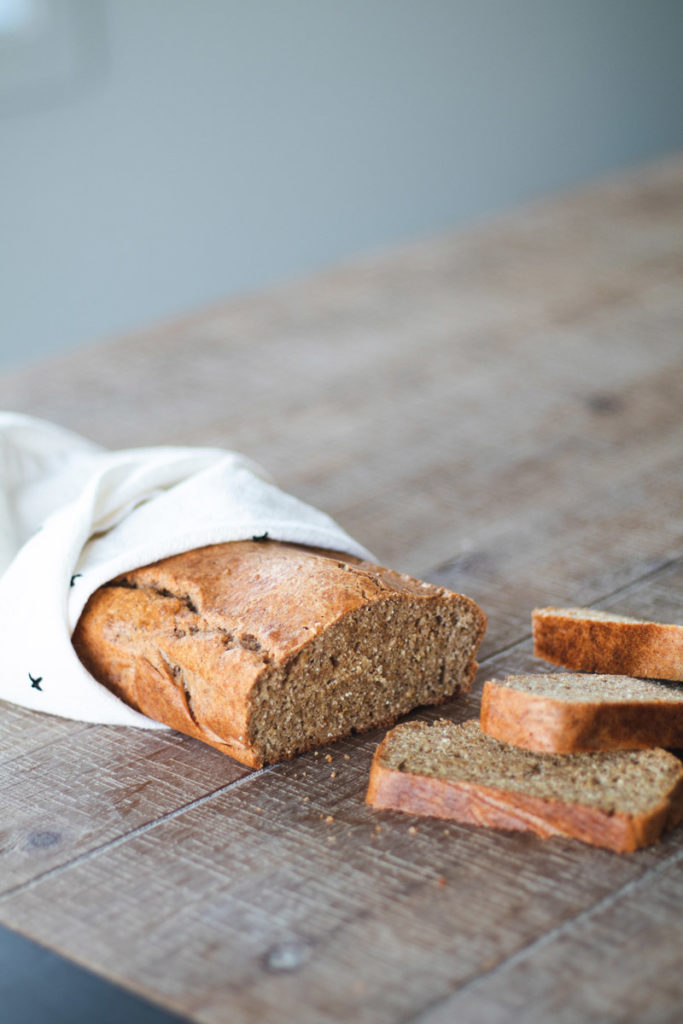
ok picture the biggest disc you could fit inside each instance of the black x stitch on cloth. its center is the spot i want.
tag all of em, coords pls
(35, 683)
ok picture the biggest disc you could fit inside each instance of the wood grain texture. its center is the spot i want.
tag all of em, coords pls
(619, 962)
(65, 791)
(498, 411)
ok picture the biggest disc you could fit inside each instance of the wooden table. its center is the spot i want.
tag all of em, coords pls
(500, 411)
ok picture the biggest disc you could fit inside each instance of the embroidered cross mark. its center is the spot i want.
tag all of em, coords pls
(74, 578)
(263, 536)
(35, 683)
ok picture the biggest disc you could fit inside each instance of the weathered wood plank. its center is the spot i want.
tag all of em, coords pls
(67, 788)
(618, 962)
(381, 923)
(285, 897)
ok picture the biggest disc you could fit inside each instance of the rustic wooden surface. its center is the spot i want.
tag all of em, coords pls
(500, 411)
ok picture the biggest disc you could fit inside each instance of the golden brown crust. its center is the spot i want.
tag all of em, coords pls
(545, 724)
(648, 649)
(187, 640)
(472, 804)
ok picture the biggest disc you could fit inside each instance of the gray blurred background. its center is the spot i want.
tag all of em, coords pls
(158, 155)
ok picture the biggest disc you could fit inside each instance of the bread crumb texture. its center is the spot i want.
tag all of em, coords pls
(594, 687)
(614, 781)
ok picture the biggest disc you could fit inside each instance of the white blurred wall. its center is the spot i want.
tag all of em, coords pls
(156, 155)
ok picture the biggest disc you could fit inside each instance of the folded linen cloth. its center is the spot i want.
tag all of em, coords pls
(74, 515)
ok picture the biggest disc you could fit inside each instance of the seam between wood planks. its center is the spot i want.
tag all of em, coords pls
(542, 940)
(671, 560)
(111, 844)
(198, 801)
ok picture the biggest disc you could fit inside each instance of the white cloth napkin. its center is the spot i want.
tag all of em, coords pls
(73, 515)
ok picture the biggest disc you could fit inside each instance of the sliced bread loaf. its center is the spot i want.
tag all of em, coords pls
(620, 800)
(596, 641)
(566, 713)
(264, 649)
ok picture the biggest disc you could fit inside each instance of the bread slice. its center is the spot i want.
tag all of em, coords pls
(566, 713)
(620, 800)
(595, 641)
(264, 649)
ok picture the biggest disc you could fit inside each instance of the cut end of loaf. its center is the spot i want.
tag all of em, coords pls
(591, 688)
(376, 663)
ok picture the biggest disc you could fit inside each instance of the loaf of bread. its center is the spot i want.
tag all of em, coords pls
(593, 641)
(621, 800)
(566, 713)
(264, 649)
